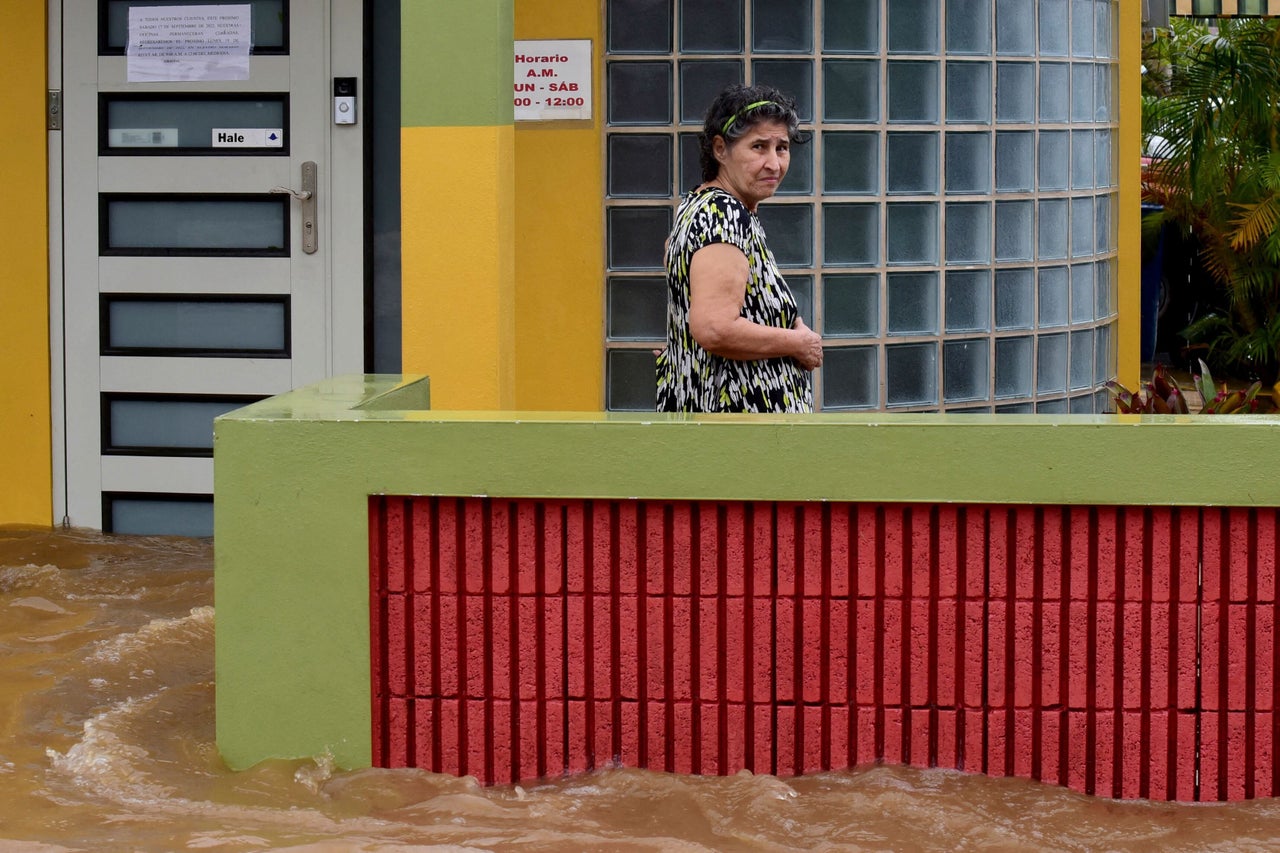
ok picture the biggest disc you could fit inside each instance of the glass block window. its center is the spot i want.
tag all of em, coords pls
(948, 229)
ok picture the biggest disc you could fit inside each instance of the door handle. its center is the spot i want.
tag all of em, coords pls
(306, 195)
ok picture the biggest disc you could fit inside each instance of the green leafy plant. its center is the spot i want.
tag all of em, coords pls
(1163, 396)
(1219, 178)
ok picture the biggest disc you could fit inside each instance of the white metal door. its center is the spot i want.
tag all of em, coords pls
(192, 282)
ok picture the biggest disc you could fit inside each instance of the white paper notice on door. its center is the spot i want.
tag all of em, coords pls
(183, 43)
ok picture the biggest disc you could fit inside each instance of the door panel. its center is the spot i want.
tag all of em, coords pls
(163, 212)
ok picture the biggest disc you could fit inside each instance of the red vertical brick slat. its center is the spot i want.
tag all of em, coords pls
(653, 650)
(948, 617)
(788, 550)
(475, 640)
(786, 755)
(731, 543)
(379, 693)
(893, 691)
(498, 737)
(475, 546)
(599, 557)
(707, 745)
(578, 647)
(1237, 758)
(399, 731)
(447, 558)
(1023, 757)
(629, 714)
(683, 547)
(1262, 696)
(1240, 656)
(815, 656)
(685, 644)
(867, 652)
(947, 738)
(578, 736)
(730, 675)
(605, 657)
(398, 655)
(922, 655)
(923, 550)
(892, 552)
(1052, 746)
(786, 654)
(921, 740)
(683, 737)
(1026, 651)
(975, 650)
(837, 653)
(1106, 723)
(974, 740)
(868, 548)
(839, 726)
(760, 650)
(1263, 782)
(767, 741)
(1212, 756)
(1134, 700)
(998, 726)
(814, 548)
(1186, 727)
(1078, 723)
(1214, 648)
(1052, 661)
(839, 551)
(895, 633)
(388, 544)
(604, 726)
(656, 748)
(894, 729)
(736, 738)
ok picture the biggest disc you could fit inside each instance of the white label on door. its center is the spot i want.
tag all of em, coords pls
(142, 137)
(248, 137)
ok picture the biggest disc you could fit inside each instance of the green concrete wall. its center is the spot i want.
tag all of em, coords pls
(457, 63)
(293, 474)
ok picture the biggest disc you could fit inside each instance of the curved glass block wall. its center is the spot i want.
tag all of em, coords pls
(949, 230)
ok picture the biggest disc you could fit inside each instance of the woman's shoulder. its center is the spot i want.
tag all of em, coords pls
(716, 202)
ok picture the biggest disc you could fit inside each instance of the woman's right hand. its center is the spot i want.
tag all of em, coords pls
(808, 346)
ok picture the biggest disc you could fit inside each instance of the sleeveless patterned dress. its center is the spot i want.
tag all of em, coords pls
(690, 379)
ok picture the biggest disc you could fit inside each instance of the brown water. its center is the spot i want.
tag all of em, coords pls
(107, 743)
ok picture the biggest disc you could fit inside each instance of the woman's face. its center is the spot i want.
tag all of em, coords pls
(752, 167)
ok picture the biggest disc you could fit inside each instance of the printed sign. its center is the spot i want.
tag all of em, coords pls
(553, 79)
(184, 43)
(247, 137)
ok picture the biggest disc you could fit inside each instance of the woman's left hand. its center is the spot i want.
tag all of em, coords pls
(809, 354)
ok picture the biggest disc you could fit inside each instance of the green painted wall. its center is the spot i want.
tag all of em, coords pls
(456, 64)
(293, 475)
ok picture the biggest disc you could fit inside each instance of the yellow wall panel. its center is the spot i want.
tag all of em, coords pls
(458, 304)
(559, 250)
(1129, 216)
(26, 485)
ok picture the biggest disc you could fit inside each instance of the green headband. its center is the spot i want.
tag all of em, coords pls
(748, 108)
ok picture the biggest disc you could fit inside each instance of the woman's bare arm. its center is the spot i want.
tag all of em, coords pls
(717, 288)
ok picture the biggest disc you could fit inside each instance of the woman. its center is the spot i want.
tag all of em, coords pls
(735, 340)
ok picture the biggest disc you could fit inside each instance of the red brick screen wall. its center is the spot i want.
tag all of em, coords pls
(514, 639)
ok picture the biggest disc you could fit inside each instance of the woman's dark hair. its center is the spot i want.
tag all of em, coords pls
(735, 111)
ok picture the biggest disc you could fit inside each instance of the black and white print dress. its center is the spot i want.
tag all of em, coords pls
(690, 379)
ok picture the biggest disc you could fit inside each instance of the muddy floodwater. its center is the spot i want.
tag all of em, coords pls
(107, 743)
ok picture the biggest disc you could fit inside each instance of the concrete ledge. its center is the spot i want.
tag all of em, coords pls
(293, 475)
